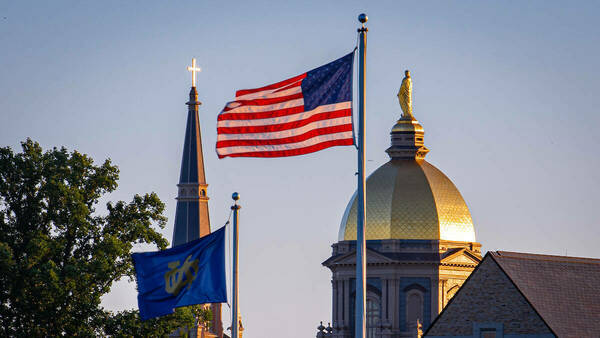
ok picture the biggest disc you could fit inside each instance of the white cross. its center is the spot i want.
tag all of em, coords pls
(194, 69)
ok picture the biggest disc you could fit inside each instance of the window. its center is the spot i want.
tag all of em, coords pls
(414, 307)
(487, 333)
(451, 292)
(373, 314)
(488, 330)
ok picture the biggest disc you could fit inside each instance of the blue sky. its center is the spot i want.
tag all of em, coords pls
(506, 92)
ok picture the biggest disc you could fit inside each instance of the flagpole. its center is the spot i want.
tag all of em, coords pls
(235, 323)
(361, 261)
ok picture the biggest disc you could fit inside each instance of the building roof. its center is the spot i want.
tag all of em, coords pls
(563, 290)
(191, 215)
(410, 199)
(192, 161)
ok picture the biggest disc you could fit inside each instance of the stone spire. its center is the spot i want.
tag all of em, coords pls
(191, 216)
(407, 134)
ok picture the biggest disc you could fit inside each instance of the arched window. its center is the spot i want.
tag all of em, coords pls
(451, 292)
(373, 314)
(414, 307)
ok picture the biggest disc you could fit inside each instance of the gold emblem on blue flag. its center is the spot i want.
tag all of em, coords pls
(174, 281)
(188, 274)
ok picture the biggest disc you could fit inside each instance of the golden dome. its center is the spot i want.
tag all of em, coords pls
(410, 199)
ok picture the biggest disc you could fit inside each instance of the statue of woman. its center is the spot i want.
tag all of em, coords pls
(405, 96)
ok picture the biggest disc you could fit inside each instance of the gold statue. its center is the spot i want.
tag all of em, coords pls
(405, 96)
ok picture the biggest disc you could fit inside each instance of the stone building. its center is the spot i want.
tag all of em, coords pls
(421, 243)
(514, 295)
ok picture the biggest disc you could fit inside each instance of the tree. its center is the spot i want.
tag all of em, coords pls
(58, 256)
(127, 324)
(203, 315)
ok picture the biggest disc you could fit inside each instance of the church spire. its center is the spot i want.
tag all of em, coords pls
(191, 216)
(407, 134)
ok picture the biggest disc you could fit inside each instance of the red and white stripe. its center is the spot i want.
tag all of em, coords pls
(271, 122)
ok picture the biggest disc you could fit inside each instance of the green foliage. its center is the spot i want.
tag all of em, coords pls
(128, 324)
(58, 257)
(203, 314)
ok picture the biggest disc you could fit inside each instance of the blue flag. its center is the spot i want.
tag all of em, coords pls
(188, 274)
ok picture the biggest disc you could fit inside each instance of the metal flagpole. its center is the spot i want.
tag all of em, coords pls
(361, 260)
(235, 322)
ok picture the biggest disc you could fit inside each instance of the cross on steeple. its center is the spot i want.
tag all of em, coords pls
(194, 69)
(191, 216)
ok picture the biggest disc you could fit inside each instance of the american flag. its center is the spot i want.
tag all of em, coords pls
(300, 115)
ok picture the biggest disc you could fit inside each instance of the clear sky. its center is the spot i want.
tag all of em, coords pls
(506, 91)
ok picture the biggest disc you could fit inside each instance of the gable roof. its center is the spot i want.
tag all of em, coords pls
(373, 257)
(563, 290)
(492, 297)
(456, 257)
(460, 256)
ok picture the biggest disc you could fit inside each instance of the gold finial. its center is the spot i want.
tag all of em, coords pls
(405, 96)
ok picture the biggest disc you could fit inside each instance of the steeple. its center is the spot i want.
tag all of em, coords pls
(191, 216)
(407, 134)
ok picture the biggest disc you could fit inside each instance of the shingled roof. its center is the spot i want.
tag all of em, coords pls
(563, 290)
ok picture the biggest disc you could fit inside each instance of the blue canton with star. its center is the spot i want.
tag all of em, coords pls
(328, 84)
